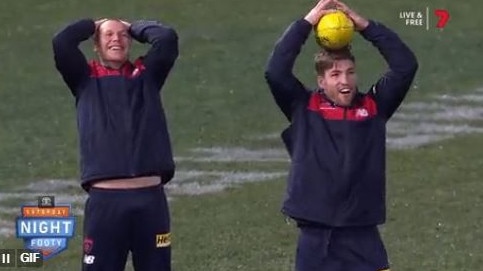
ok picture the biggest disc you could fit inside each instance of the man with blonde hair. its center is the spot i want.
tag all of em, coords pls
(125, 148)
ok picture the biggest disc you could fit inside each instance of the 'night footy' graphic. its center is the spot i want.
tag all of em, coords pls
(46, 228)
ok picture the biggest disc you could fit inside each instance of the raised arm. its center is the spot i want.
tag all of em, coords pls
(284, 86)
(164, 48)
(393, 86)
(69, 60)
(391, 89)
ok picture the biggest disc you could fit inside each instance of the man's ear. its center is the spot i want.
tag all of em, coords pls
(320, 81)
(95, 47)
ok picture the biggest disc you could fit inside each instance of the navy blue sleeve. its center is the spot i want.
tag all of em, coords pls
(284, 86)
(164, 48)
(69, 59)
(389, 91)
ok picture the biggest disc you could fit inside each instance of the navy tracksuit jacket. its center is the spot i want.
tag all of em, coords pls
(121, 122)
(337, 172)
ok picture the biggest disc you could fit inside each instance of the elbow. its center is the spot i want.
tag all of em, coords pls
(171, 34)
(61, 42)
(168, 40)
(270, 75)
(412, 61)
(167, 36)
(407, 65)
(271, 69)
(412, 66)
(273, 74)
(277, 67)
(174, 55)
(173, 39)
(415, 66)
(58, 43)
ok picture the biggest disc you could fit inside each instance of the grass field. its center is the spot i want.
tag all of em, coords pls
(226, 196)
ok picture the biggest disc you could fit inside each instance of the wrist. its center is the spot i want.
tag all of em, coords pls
(363, 25)
(310, 19)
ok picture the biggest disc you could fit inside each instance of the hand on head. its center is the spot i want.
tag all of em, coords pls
(320, 9)
(326, 6)
(360, 23)
(126, 23)
(103, 20)
(100, 21)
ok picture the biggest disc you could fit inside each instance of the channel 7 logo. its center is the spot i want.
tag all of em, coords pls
(443, 17)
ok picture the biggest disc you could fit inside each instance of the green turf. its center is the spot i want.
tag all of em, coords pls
(216, 93)
(434, 219)
(216, 96)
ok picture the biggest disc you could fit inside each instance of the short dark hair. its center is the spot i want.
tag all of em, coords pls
(325, 59)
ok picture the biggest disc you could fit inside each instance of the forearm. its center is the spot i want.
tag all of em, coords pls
(145, 31)
(391, 88)
(69, 60)
(399, 57)
(75, 33)
(287, 49)
(164, 48)
(283, 84)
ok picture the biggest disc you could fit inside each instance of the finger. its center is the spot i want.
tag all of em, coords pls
(323, 4)
(343, 7)
(327, 11)
(100, 21)
(126, 23)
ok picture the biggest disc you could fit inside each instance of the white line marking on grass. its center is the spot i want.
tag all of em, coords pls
(265, 137)
(190, 182)
(464, 113)
(422, 107)
(52, 185)
(31, 198)
(7, 228)
(403, 129)
(463, 98)
(214, 181)
(238, 154)
(413, 141)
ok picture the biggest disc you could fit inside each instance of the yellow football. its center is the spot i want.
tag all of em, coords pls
(334, 30)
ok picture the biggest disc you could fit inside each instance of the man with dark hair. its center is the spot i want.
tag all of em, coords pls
(125, 148)
(336, 141)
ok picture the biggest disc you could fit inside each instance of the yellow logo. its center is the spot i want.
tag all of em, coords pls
(163, 240)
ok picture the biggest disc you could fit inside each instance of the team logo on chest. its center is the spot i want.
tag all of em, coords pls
(361, 113)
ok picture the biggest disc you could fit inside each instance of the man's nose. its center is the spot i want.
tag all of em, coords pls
(344, 79)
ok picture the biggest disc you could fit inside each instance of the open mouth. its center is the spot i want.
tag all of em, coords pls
(115, 48)
(345, 91)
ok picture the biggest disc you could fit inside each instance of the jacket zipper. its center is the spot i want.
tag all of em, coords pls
(347, 144)
(130, 133)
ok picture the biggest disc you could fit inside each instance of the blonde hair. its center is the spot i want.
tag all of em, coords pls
(96, 35)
